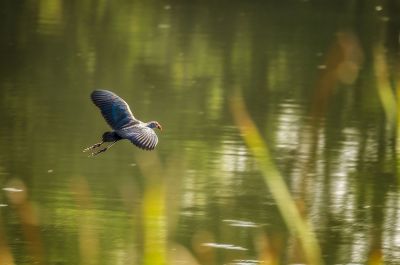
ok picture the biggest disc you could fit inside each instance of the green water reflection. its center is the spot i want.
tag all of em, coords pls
(318, 78)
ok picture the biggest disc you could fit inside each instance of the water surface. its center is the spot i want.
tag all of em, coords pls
(316, 77)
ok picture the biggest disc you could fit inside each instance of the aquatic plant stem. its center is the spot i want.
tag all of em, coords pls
(273, 179)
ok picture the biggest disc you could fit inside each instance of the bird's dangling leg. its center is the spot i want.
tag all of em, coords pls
(102, 150)
(93, 146)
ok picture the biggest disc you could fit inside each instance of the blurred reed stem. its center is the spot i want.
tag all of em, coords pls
(154, 211)
(388, 96)
(385, 92)
(274, 181)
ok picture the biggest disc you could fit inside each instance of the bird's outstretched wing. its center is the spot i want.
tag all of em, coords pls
(114, 109)
(140, 135)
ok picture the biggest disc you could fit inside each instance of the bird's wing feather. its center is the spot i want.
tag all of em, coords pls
(140, 135)
(113, 108)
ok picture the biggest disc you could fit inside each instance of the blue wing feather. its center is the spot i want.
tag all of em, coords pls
(113, 108)
(140, 135)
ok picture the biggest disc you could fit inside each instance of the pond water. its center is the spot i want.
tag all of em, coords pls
(316, 78)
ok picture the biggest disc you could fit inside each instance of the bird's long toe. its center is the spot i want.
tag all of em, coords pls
(92, 147)
(98, 152)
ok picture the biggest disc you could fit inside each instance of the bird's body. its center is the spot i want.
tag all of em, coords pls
(125, 126)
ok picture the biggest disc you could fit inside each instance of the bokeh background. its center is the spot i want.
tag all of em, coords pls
(280, 141)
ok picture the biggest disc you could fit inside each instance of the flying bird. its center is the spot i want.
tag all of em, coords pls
(124, 125)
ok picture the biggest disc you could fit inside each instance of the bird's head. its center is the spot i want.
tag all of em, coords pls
(154, 124)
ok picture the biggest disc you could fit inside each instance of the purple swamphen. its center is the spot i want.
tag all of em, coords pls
(124, 125)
